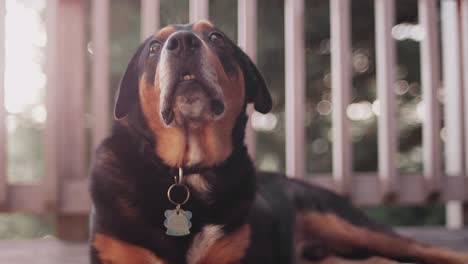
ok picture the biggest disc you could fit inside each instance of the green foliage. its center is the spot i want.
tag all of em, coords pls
(174, 12)
(23, 226)
(25, 150)
(396, 215)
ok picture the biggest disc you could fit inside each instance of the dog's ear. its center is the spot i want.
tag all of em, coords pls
(127, 93)
(255, 86)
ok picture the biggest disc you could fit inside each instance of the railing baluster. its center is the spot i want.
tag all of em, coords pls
(295, 87)
(74, 81)
(71, 143)
(50, 189)
(100, 75)
(199, 9)
(3, 149)
(247, 39)
(453, 103)
(70, 125)
(464, 35)
(430, 79)
(341, 92)
(150, 17)
(387, 130)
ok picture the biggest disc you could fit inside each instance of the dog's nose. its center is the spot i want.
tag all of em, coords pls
(183, 40)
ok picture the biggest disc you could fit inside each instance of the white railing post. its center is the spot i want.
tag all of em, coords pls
(150, 17)
(199, 9)
(464, 35)
(73, 86)
(100, 74)
(53, 72)
(387, 130)
(3, 146)
(247, 39)
(69, 104)
(341, 93)
(453, 103)
(430, 79)
(295, 87)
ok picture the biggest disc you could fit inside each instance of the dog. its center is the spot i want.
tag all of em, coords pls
(173, 183)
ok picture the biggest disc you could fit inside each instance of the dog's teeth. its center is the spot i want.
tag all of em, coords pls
(188, 77)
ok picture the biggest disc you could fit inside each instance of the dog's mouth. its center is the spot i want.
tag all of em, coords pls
(192, 102)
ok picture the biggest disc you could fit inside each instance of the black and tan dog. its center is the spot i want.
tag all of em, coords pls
(181, 104)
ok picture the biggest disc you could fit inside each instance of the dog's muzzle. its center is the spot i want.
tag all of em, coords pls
(190, 92)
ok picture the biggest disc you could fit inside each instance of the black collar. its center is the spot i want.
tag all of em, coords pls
(189, 170)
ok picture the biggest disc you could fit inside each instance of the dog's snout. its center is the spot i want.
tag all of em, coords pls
(190, 91)
(183, 40)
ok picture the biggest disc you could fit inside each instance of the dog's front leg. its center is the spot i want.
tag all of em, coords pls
(108, 250)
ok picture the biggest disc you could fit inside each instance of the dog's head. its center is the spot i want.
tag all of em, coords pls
(191, 83)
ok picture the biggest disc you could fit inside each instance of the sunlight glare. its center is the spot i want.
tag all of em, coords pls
(25, 35)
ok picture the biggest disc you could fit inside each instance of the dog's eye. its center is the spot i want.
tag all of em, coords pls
(154, 47)
(216, 39)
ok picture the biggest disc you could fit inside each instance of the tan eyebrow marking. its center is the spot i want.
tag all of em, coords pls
(202, 25)
(165, 32)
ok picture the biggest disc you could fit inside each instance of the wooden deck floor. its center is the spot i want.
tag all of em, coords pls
(51, 251)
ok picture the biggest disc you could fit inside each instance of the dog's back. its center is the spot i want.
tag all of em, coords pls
(297, 221)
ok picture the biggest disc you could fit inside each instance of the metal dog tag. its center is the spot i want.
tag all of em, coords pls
(178, 222)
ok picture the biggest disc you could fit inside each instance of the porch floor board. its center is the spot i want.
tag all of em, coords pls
(52, 251)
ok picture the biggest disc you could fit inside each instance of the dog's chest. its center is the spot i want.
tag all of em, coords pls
(195, 152)
(203, 242)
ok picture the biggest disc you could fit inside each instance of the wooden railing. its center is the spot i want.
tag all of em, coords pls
(64, 187)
